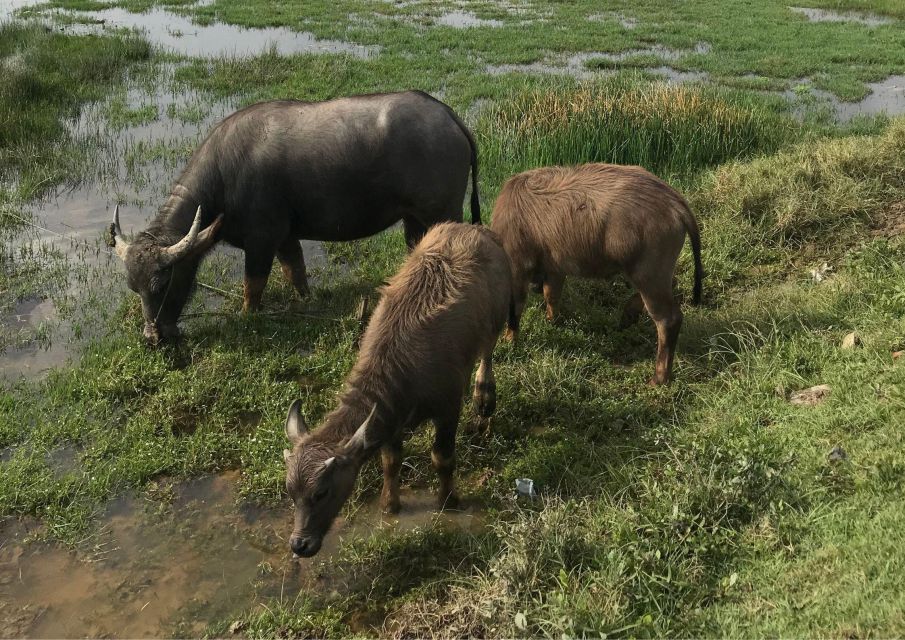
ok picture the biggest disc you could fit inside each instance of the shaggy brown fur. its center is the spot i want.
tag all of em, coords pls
(595, 220)
(444, 308)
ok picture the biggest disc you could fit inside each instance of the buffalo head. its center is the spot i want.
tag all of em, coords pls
(162, 272)
(320, 478)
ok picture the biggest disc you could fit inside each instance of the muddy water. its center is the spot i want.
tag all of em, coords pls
(173, 565)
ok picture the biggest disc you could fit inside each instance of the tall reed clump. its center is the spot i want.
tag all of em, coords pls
(38, 92)
(672, 130)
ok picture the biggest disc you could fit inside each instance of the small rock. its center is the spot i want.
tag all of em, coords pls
(236, 626)
(811, 396)
(851, 340)
(838, 454)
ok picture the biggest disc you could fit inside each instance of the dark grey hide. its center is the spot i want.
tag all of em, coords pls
(280, 171)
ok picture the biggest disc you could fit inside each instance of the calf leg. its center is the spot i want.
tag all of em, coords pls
(292, 262)
(667, 316)
(443, 456)
(519, 295)
(257, 269)
(553, 283)
(391, 456)
(485, 385)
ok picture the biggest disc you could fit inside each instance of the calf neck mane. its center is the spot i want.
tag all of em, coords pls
(394, 343)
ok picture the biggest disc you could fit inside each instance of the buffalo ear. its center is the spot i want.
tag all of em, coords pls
(364, 437)
(207, 237)
(295, 423)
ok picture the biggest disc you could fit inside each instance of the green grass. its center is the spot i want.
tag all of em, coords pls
(708, 508)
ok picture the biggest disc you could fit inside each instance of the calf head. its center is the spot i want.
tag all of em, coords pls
(162, 274)
(320, 478)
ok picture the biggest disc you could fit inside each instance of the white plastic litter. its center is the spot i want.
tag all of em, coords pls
(821, 273)
(525, 487)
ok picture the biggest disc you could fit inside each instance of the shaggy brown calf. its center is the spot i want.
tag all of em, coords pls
(594, 220)
(444, 309)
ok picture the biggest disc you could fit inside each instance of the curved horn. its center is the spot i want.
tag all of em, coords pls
(118, 238)
(184, 246)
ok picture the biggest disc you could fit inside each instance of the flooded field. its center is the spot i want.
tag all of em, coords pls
(173, 561)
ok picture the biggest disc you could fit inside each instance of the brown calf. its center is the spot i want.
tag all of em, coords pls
(444, 308)
(595, 220)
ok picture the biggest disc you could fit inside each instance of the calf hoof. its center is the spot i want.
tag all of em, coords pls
(485, 399)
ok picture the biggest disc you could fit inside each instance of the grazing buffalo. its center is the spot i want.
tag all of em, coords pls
(443, 310)
(595, 220)
(279, 171)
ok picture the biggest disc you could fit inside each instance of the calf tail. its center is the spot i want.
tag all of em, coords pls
(694, 235)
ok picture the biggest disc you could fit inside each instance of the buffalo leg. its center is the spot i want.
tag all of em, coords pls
(485, 385)
(257, 270)
(667, 316)
(391, 456)
(443, 455)
(553, 283)
(414, 231)
(292, 262)
(631, 312)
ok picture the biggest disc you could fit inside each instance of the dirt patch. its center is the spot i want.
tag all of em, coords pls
(890, 222)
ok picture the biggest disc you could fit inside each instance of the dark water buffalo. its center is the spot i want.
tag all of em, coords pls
(279, 171)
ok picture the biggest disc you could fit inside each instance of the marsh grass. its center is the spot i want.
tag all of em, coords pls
(37, 92)
(672, 130)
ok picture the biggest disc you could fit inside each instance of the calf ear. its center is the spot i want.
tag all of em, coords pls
(365, 437)
(295, 423)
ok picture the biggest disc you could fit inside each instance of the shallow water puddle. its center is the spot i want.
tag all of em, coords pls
(171, 570)
(827, 15)
(576, 64)
(466, 20)
(886, 96)
(178, 34)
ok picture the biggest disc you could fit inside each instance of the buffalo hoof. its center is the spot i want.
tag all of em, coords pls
(450, 501)
(657, 381)
(510, 335)
(390, 505)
